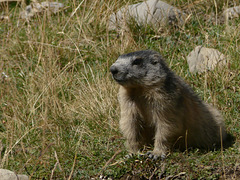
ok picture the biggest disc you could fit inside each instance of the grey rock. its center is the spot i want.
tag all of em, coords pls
(35, 8)
(202, 59)
(9, 175)
(230, 13)
(152, 12)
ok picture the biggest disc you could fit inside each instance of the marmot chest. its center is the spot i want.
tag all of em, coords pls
(151, 108)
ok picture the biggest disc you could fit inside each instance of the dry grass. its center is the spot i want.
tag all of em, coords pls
(58, 104)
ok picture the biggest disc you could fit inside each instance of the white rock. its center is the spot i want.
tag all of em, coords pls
(202, 59)
(35, 7)
(9, 175)
(152, 12)
(230, 13)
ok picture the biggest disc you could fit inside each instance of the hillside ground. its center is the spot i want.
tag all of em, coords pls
(58, 103)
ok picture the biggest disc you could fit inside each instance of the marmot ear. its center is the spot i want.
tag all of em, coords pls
(155, 58)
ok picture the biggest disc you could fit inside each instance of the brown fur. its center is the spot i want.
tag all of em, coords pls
(165, 114)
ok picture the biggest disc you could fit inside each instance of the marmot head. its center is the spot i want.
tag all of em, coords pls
(140, 69)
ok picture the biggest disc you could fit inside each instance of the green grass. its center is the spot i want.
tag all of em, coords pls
(58, 106)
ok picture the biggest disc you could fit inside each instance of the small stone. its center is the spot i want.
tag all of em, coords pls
(35, 8)
(9, 175)
(2, 18)
(202, 59)
(230, 13)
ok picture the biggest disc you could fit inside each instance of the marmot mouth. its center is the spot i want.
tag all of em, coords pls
(119, 80)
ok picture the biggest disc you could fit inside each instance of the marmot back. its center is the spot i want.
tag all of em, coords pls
(159, 108)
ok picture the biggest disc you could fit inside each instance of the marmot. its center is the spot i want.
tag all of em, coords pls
(159, 108)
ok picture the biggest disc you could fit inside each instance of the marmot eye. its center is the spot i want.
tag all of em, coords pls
(137, 61)
(154, 62)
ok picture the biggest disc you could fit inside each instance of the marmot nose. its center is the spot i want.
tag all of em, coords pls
(114, 70)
